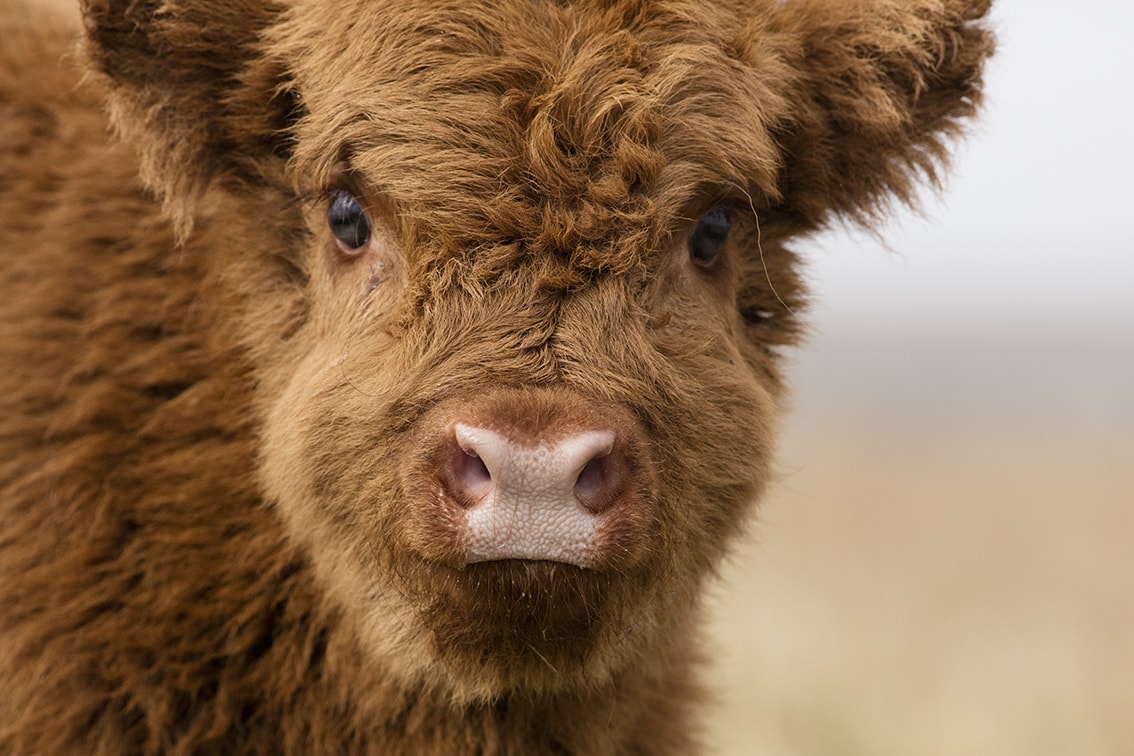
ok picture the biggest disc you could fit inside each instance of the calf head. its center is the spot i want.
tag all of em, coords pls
(511, 279)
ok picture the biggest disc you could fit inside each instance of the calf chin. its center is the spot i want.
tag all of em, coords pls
(505, 627)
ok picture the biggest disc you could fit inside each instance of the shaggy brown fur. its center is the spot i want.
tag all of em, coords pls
(216, 427)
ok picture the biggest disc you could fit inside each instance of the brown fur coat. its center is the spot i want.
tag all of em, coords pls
(220, 526)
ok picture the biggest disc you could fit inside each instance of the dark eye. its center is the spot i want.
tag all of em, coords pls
(348, 221)
(708, 239)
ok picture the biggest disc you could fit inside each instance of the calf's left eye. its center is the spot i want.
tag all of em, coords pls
(348, 222)
(709, 236)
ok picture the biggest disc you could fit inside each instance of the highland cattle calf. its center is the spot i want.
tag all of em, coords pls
(394, 376)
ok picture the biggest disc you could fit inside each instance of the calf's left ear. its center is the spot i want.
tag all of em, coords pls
(882, 86)
(189, 88)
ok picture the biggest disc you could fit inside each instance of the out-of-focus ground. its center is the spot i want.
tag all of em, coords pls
(947, 564)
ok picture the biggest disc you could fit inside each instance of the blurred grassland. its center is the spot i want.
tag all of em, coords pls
(946, 566)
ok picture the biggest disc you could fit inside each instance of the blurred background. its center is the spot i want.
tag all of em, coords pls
(946, 565)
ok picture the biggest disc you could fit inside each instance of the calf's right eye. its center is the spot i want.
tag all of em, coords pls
(709, 237)
(348, 222)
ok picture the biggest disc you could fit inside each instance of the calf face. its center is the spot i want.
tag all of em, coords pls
(511, 280)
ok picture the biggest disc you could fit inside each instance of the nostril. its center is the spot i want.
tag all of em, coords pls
(591, 480)
(465, 476)
(472, 472)
(602, 481)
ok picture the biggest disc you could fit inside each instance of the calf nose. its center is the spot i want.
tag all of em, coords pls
(529, 473)
(555, 476)
(537, 498)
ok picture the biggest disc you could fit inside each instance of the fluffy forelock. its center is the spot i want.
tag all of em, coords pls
(588, 131)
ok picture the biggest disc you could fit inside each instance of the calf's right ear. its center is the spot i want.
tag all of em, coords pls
(189, 87)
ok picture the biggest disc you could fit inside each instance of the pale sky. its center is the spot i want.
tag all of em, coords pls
(1036, 227)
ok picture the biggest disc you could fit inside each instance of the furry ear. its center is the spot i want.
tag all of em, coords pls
(883, 84)
(190, 89)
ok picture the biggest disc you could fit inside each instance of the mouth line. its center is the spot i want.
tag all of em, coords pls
(528, 562)
(526, 566)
